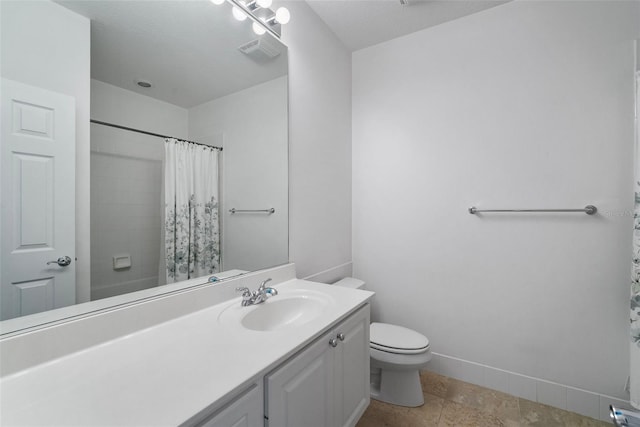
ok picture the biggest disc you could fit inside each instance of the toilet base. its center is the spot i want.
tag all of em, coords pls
(401, 388)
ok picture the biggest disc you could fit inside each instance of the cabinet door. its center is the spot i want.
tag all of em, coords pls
(299, 393)
(244, 411)
(352, 369)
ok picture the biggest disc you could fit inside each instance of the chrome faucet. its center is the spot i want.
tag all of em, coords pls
(258, 296)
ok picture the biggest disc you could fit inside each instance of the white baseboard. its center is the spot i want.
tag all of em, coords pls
(561, 396)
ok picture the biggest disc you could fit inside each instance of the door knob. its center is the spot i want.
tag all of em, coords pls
(340, 336)
(333, 342)
(63, 261)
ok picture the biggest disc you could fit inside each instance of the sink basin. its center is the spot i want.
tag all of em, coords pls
(283, 311)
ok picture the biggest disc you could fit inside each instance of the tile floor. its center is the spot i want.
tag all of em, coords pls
(449, 402)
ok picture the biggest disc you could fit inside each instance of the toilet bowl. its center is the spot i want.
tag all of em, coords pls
(397, 354)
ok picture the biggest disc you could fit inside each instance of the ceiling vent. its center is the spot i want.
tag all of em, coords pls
(259, 50)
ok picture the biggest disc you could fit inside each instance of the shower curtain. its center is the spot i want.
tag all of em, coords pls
(635, 276)
(192, 232)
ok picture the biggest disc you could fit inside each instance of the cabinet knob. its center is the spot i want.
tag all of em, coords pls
(340, 336)
(333, 342)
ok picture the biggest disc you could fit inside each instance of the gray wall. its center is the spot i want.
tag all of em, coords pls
(320, 147)
(254, 171)
(525, 105)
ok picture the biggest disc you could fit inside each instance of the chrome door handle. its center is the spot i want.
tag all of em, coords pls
(340, 336)
(63, 261)
(333, 342)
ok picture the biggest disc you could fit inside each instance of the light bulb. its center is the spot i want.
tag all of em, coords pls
(258, 29)
(238, 13)
(217, 2)
(264, 3)
(282, 15)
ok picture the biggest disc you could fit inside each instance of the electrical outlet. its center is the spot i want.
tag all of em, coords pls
(627, 385)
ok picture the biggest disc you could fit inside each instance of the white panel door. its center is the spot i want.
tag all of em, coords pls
(37, 195)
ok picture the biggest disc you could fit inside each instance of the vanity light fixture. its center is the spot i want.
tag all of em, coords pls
(258, 29)
(282, 15)
(264, 19)
(239, 13)
(254, 4)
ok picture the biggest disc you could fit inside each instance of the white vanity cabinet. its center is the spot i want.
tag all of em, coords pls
(311, 371)
(244, 410)
(326, 384)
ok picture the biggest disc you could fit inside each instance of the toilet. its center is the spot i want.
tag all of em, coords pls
(397, 355)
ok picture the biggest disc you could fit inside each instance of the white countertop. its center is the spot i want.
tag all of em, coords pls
(163, 375)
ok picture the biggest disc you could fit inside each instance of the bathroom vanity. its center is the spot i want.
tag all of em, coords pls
(300, 358)
(324, 384)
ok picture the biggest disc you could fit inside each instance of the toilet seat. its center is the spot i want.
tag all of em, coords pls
(397, 339)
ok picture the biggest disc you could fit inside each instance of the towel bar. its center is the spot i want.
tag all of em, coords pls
(269, 211)
(589, 210)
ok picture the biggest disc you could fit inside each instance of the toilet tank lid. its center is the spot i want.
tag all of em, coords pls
(398, 337)
(350, 282)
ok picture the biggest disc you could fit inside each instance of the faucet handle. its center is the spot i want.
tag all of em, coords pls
(271, 292)
(248, 297)
(262, 285)
(246, 292)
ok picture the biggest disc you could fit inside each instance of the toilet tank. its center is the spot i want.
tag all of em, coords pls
(350, 282)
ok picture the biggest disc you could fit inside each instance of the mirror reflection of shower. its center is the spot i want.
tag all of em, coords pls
(154, 210)
(132, 246)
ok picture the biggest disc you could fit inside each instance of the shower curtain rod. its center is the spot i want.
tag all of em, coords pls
(98, 122)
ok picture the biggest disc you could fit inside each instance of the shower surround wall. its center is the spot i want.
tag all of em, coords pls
(126, 218)
(525, 105)
(126, 186)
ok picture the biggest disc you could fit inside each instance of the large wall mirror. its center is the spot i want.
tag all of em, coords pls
(163, 162)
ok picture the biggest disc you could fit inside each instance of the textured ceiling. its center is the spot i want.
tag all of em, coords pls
(363, 23)
(187, 49)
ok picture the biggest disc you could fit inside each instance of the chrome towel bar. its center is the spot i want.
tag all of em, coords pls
(269, 211)
(589, 210)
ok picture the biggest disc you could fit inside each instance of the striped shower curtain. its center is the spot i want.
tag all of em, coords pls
(192, 231)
